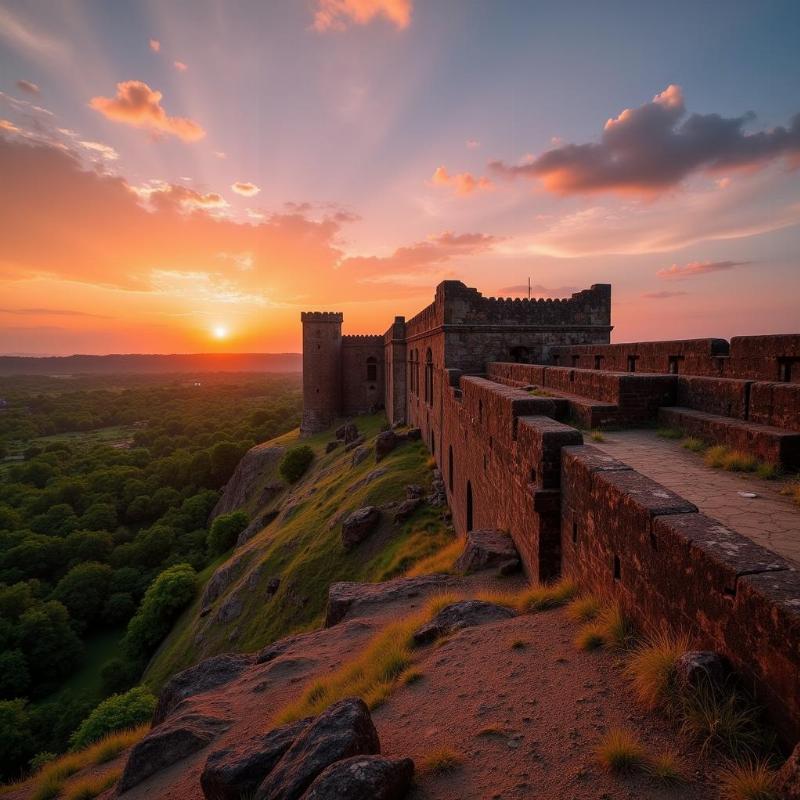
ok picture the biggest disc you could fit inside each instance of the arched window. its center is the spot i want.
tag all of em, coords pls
(429, 377)
(372, 368)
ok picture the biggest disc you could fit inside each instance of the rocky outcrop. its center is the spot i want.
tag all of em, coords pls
(202, 677)
(464, 614)
(363, 778)
(344, 730)
(438, 495)
(222, 578)
(360, 454)
(384, 444)
(698, 668)
(347, 433)
(332, 445)
(487, 550)
(406, 509)
(346, 597)
(236, 771)
(169, 743)
(247, 476)
(358, 525)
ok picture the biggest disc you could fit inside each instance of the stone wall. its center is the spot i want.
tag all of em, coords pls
(394, 344)
(626, 537)
(363, 374)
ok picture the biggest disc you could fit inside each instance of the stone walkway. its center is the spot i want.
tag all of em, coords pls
(770, 519)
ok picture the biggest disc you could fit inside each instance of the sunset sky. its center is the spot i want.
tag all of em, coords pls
(187, 176)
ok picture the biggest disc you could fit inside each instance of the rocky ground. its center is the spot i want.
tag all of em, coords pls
(512, 700)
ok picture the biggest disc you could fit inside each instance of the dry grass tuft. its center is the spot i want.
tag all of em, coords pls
(665, 767)
(584, 609)
(533, 598)
(371, 675)
(768, 472)
(411, 676)
(715, 456)
(611, 629)
(792, 490)
(442, 760)
(694, 444)
(442, 561)
(590, 637)
(738, 461)
(620, 751)
(89, 788)
(519, 644)
(439, 601)
(748, 780)
(651, 667)
(670, 433)
(597, 436)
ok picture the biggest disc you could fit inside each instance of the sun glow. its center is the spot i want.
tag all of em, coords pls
(219, 332)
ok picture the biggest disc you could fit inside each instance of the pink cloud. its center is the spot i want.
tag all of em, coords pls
(337, 15)
(28, 86)
(155, 45)
(180, 66)
(693, 268)
(663, 295)
(245, 188)
(649, 149)
(138, 105)
(463, 183)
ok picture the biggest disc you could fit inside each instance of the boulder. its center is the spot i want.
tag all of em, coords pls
(222, 578)
(360, 454)
(486, 550)
(202, 677)
(413, 434)
(347, 596)
(406, 509)
(358, 525)
(384, 444)
(355, 443)
(349, 432)
(332, 445)
(230, 610)
(363, 778)
(701, 668)
(344, 730)
(169, 743)
(464, 614)
(414, 491)
(787, 781)
(340, 432)
(236, 771)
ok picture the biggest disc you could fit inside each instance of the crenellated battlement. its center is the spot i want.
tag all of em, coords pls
(321, 316)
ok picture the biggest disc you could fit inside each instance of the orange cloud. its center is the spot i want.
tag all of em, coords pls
(155, 45)
(463, 183)
(180, 66)
(652, 148)
(337, 15)
(245, 188)
(693, 268)
(138, 105)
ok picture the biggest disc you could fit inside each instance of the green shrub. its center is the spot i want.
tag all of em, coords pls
(225, 530)
(115, 713)
(295, 463)
(164, 599)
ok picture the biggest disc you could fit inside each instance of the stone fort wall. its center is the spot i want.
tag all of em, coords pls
(510, 461)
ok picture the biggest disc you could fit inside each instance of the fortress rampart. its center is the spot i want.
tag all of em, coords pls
(505, 436)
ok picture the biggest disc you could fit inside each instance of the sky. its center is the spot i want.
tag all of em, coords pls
(188, 176)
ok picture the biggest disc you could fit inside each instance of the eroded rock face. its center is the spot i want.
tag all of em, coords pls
(202, 677)
(701, 668)
(358, 525)
(384, 444)
(363, 778)
(406, 509)
(244, 482)
(236, 771)
(787, 782)
(222, 578)
(344, 730)
(464, 614)
(360, 454)
(169, 743)
(486, 550)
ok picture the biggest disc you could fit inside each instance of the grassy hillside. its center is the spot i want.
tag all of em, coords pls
(302, 547)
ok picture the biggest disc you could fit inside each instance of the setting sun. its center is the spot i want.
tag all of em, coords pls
(220, 332)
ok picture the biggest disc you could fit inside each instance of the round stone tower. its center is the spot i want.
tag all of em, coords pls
(322, 369)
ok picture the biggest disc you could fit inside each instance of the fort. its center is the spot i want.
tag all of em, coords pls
(503, 391)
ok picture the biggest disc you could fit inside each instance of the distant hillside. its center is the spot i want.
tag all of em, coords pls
(193, 362)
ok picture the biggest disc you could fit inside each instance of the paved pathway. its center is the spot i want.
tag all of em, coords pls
(770, 519)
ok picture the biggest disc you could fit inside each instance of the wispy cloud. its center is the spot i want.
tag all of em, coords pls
(337, 15)
(19, 33)
(155, 45)
(28, 86)
(649, 149)
(53, 312)
(694, 268)
(138, 105)
(180, 66)
(662, 295)
(462, 183)
(245, 188)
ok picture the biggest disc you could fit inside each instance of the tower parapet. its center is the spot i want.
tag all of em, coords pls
(322, 366)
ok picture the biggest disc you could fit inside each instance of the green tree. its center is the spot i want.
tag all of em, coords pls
(295, 462)
(225, 530)
(99, 517)
(224, 458)
(17, 745)
(115, 713)
(164, 599)
(119, 608)
(50, 645)
(84, 590)
(14, 676)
